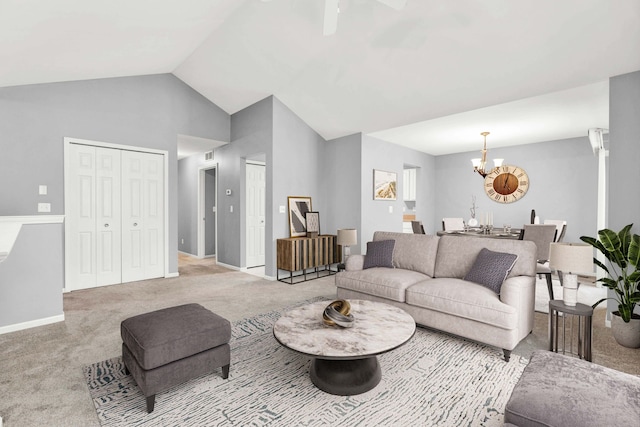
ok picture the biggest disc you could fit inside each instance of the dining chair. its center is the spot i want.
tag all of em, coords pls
(561, 227)
(452, 224)
(542, 235)
(417, 227)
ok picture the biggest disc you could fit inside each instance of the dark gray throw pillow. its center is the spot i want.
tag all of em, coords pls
(379, 254)
(491, 269)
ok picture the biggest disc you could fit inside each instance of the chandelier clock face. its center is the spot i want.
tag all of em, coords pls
(506, 184)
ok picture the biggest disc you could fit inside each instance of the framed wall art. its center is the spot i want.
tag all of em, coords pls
(385, 185)
(298, 208)
(313, 224)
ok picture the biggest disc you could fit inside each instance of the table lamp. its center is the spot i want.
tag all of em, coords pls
(570, 258)
(347, 237)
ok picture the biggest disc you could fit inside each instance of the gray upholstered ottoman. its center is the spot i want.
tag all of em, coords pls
(167, 347)
(563, 391)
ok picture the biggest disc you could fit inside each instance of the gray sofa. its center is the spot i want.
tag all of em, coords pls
(427, 281)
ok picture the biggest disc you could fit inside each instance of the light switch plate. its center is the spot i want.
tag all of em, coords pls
(390, 209)
(283, 209)
(42, 190)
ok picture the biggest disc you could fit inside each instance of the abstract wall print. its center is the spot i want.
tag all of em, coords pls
(384, 185)
(298, 208)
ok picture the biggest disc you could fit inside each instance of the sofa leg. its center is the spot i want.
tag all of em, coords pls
(507, 354)
(151, 401)
(225, 372)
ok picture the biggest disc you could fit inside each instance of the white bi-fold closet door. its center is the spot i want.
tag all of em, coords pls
(114, 216)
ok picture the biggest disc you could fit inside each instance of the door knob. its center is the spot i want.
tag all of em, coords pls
(135, 224)
(106, 225)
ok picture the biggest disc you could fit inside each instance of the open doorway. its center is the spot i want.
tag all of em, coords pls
(207, 211)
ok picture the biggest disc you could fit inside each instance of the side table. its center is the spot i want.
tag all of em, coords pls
(584, 313)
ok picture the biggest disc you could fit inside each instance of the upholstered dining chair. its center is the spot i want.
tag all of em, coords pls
(542, 235)
(561, 227)
(452, 224)
(417, 227)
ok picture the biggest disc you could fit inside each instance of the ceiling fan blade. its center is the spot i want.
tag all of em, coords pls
(330, 17)
(394, 4)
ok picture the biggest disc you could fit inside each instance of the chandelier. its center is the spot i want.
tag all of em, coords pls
(479, 165)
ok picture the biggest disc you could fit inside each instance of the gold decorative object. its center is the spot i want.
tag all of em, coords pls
(338, 313)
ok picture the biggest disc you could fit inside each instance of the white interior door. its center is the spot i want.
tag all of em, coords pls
(108, 218)
(256, 199)
(142, 216)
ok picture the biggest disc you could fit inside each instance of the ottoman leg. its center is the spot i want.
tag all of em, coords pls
(225, 372)
(151, 401)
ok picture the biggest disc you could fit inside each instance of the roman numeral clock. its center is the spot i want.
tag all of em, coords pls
(506, 184)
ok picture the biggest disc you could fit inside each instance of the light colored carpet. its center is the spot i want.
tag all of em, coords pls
(433, 380)
(588, 294)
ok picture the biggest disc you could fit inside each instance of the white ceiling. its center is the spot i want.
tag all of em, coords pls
(527, 70)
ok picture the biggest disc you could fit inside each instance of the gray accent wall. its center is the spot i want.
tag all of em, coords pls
(146, 111)
(382, 155)
(32, 276)
(563, 179)
(624, 155)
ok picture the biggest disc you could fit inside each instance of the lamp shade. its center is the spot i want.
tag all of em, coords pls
(347, 237)
(571, 257)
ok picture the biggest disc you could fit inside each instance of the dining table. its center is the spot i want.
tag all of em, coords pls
(496, 233)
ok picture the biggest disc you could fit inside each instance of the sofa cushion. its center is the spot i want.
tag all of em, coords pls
(463, 299)
(491, 269)
(379, 254)
(390, 283)
(456, 255)
(415, 252)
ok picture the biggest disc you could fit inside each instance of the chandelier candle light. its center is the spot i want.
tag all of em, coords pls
(479, 165)
(571, 258)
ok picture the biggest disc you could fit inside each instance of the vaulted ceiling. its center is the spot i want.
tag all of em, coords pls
(431, 76)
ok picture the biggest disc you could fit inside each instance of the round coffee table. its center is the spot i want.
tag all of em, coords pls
(344, 359)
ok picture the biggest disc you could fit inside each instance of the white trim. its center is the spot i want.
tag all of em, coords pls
(31, 324)
(164, 153)
(170, 275)
(229, 266)
(34, 219)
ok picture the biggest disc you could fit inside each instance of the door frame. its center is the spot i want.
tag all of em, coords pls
(200, 230)
(165, 155)
(246, 226)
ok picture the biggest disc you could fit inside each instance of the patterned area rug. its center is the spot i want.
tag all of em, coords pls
(433, 380)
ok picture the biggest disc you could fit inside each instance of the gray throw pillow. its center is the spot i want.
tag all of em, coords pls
(491, 269)
(379, 254)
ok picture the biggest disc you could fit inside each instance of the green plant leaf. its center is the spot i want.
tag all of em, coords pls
(598, 303)
(625, 312)
(625, 238)
(634, 277)
(601, 265)
(609, 282)
(596, 244)
(635, 298)
(634, 251)
(611, 243)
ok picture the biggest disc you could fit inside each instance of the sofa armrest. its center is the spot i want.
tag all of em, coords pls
(520, 293)
(354, 262)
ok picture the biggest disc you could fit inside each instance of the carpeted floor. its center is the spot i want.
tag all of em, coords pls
(41, 378)
(432, 380)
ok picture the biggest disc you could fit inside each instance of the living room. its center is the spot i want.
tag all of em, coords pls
(152, 107)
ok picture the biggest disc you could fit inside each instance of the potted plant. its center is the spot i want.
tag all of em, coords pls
(622, 250)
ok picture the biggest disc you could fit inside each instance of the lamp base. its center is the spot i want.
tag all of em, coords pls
(570, 290)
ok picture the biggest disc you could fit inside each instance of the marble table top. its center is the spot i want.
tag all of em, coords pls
(378, 328)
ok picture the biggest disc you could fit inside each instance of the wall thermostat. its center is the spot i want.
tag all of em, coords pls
(228, 192)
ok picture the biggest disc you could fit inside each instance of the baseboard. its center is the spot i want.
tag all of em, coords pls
(170, 275)
(31, 324)
(230, 267)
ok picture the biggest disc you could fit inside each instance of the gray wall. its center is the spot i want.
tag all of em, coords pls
(341, 175)
(251, 134)
(32, 276)
(563, 179)
(624, 155)
(382, 155)
(146, 111)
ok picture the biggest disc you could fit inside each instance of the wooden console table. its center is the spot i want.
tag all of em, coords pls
(299, 254)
